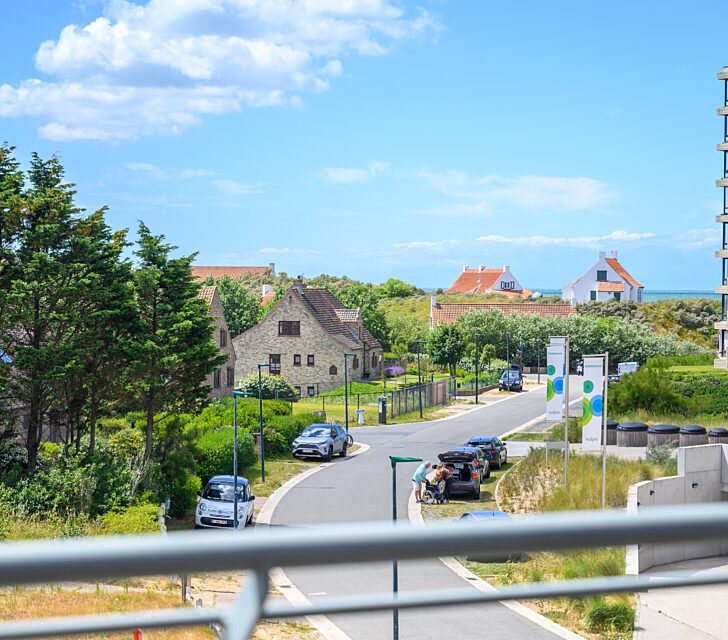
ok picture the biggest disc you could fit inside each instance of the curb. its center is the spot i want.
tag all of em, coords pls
(278, 578)
(414, 512)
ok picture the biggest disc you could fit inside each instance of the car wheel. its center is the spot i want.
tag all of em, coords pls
(505, 460)
(343, 451)
(476, 494)
(487, 475)
(329, 454)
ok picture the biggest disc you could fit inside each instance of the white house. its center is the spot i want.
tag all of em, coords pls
(484, 281)
(605, 280)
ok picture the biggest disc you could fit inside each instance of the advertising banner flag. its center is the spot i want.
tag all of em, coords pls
(593, 403)
(555, 360)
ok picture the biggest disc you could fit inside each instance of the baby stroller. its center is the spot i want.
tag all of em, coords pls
(434, 493)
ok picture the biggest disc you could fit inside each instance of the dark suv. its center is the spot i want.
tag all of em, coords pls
(493, 447)
(465, 471)
(511, 380)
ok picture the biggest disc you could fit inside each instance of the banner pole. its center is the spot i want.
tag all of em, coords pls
(566, 412)
(604, 431)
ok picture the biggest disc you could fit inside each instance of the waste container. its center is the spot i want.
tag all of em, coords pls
(692, 434)
(612, 431)
(719, 435)
(382, 409)
(360, 416)
(663, 433)
(320, 414)
(632, 434)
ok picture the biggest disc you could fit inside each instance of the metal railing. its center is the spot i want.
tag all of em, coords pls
(258, 552)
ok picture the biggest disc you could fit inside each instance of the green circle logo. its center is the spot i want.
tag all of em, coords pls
(588, 386)
(551, 369)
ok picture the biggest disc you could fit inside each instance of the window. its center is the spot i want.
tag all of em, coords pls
(617, 296)
(296, 359)
(333, 370)
(639, 295)
(508, 285)
(310, 360)
(374, 360)
(274, 359)
(355, 362)
(311, 390)
(592, 295)
(216, 379)
(601, 276)
(230, 380)
(297, 389)
(289, 328)
(223, 338)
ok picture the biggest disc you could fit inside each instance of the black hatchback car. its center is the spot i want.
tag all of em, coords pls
(511, 380)
(493, 447)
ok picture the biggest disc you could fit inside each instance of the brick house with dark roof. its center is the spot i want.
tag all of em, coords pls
(447, 313)
(221, 380)
(304, 338)
(485, 281)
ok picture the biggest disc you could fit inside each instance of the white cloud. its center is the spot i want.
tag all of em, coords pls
(482, 195)
(160, 67)
(235, 188)
(583, 242)
(349, 174)
(698, 239)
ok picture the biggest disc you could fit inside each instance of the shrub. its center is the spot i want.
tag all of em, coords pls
(141, 518)
(283, 430)
(649, 389)
(108, 426)
(49, 451)
(125, 443)
(601, 615)
(556, 434)
(183, 494)
(215, 452)
(272, 386)
(664, 362)
(660, 454)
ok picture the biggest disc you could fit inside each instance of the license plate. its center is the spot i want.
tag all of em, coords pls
(218, 521)
(308, 451)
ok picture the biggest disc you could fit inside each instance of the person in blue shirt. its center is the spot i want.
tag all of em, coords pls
(418, 478)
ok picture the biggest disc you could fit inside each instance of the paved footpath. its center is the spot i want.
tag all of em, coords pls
(358, 489)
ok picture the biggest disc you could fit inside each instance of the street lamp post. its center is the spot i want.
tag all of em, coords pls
(419, 375)
(508, 360)
(243, 394)
(346, 389)
(395, 574)
(478, 336)
(260, 414)
(538, 361)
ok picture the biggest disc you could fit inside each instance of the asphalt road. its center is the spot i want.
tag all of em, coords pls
(359, 489)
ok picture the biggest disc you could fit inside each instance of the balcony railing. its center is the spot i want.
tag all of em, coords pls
(258, 552)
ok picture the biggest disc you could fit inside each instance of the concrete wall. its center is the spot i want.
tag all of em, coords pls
(702, 474)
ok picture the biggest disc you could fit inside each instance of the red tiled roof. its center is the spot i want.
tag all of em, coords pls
(475, 281)
(201, 273)
(267, 297)
(449, 312)
(610, 286)
(325, 306)
(623, 273)
(206, 294)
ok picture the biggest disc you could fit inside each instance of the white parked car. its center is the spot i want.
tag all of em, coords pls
(215, 506)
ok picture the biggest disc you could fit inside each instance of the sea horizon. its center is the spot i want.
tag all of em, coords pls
(647, 295)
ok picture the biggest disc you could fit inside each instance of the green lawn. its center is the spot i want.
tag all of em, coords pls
(337, 413)
(702, 368)
(527, 436)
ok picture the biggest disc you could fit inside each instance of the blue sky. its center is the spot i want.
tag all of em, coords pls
(378, 138)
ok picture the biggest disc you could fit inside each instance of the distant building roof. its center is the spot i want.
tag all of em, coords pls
(623, 273)
(201, 272)
(481, 280)
(610, 286)
(348, 315)
(326, 308)
(447, 313)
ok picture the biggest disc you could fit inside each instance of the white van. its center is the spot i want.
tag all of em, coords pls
(626, 367)
(215, 506)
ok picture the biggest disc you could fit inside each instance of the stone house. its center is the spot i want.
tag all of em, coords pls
(304, 338)
(221, 380)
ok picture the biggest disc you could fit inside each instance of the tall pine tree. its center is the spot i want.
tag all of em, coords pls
(173, 351)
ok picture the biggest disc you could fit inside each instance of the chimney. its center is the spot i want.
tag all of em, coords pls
(433, 301)
(298, 286)
(272, 267)
(602, 255)
(481, 267)
(465, 268)
(614, 255)
(506, 267)
(267, 288)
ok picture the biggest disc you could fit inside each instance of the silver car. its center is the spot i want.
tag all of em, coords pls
(321, 441)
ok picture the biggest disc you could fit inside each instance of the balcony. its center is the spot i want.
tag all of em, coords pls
(721, 253)
(722, 290)
(723, 146)
(722, 218)
(722, 111)
(723, 182)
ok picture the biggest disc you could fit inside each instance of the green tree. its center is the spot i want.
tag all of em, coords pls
(242, 308)
(394, 288)
(446, 346)
(173, 348)
(273, 387)
(365, 298)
